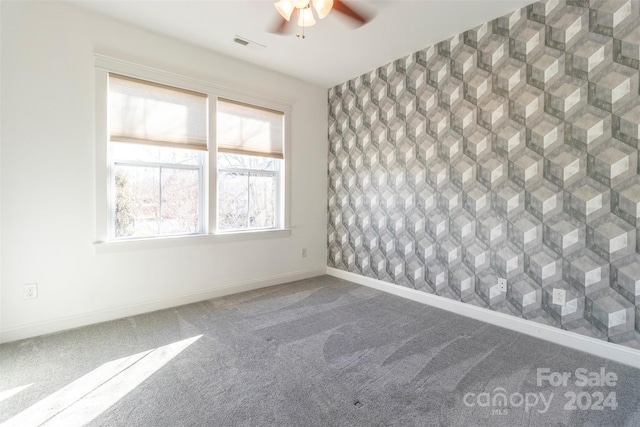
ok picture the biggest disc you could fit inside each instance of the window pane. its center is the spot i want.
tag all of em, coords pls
(262, 201)
(180, 194)
(137, 207)
(233, 203)
(227, 160)
(150, 153)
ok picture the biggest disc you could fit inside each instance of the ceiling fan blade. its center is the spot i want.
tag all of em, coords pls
(280, 27)
(359, 17)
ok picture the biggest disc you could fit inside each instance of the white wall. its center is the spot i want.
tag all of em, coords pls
(48, 177)
(0, 170)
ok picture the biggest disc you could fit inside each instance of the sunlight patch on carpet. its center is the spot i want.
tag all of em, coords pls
(11, 392)
(90, 395)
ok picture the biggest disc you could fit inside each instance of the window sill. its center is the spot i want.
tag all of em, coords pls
(177, 241)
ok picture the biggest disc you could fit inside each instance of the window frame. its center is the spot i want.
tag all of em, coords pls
(104, 191)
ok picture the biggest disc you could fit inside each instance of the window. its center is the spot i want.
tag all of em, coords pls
(157, 190)
(157, 136)
(250, 145)
(186, 157)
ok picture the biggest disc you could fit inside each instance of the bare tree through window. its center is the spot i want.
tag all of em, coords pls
(247, 192)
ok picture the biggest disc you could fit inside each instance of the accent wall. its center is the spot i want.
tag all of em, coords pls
(507, 152)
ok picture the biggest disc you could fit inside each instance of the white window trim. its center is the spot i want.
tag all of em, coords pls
(103, 66)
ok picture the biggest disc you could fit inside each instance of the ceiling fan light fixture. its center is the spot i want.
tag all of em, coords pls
(323, 7)
(305, 18)
(300, 4)
(285, 8)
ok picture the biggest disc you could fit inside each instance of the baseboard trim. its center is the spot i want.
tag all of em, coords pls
(69, 322)
(607, 350)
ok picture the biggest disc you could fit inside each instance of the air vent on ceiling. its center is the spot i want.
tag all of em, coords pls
(243, 41)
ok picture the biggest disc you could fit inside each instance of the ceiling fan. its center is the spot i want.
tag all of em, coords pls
(307, 10)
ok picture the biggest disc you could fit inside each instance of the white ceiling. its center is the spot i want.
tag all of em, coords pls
(333, 50)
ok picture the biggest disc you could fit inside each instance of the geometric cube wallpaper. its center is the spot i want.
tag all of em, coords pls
(509, 151)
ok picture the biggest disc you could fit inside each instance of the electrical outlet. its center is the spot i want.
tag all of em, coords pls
(502, 283)
(559, 296)
(30, 290)
(304, 252)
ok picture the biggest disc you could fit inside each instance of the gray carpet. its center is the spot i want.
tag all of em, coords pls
(318, 352)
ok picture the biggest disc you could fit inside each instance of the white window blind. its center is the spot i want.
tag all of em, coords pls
(251, 130)
(149, 113)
